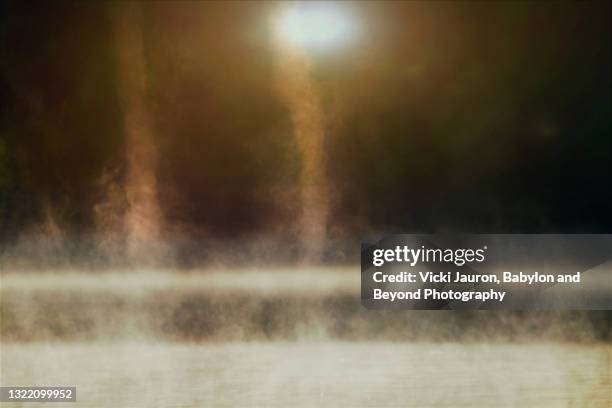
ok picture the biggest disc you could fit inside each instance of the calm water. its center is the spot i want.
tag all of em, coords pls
(328, 374)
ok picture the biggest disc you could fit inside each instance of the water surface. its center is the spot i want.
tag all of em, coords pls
(314, 374)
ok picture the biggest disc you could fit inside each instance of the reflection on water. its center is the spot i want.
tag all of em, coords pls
(366, 374)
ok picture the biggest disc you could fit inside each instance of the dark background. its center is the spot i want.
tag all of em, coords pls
(444, 116)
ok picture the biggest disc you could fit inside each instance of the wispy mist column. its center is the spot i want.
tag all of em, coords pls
(142, 218)
(300, 95)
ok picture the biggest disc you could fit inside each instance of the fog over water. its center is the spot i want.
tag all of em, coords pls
(329, 374)
(183, 195)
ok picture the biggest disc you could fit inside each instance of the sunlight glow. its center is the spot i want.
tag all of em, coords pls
(316, 25)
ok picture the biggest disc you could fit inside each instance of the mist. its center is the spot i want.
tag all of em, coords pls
(183, 194)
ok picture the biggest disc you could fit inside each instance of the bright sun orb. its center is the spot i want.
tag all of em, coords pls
(316, 25)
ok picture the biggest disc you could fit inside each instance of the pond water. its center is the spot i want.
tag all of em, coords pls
(313, 374)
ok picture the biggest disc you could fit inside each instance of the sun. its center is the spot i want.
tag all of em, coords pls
(316, 25)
